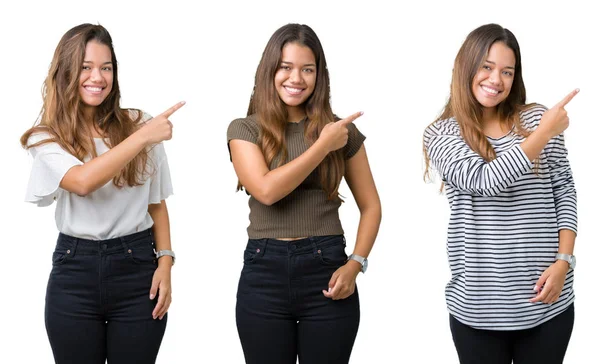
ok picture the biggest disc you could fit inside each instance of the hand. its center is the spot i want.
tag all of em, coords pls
(551, 283)
(335, 134)
(556, 120)
(161, 284)
(343, 281)
(160, 128)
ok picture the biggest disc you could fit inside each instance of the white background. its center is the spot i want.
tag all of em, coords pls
(393, 63)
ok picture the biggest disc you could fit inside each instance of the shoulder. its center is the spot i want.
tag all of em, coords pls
(531, 115)
(447, 127)
(243, 128)
(139, 116)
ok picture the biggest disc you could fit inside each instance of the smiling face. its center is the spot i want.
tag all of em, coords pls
(493, 81)
(96, 77)
(296, 76)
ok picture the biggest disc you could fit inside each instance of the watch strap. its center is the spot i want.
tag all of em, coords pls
(162, 253)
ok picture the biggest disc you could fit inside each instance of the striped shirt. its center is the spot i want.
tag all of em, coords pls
(504, 223)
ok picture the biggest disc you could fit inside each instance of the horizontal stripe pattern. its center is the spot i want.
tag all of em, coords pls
(504, 221)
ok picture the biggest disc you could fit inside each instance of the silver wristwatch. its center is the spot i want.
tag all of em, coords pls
(162, 253)
(364, 262)
(568, 258)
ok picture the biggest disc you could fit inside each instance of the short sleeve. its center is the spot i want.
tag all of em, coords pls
(243, 129)
(160, 184)
(355, 141)
(50, 164)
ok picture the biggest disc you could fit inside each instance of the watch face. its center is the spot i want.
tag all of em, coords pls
(572, 262)
(365, 265)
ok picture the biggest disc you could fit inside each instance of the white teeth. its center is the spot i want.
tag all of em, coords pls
(93, 89)
(293, 90)
(490, 90)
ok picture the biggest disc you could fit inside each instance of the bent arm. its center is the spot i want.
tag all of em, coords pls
(270, 186)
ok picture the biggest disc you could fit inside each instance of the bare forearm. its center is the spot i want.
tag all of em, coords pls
(161, 230)
(281, 181)
(535, 143)
(368, 228)
(95, 173)
(566, 241)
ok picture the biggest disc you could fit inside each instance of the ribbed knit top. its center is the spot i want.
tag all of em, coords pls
(306, 210)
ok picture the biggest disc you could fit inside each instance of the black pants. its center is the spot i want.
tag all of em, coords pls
(97, 302)
(543, 344)
(281, 312)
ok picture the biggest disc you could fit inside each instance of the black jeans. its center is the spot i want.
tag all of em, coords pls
(543, 344)
(281, 311)
(97, 302)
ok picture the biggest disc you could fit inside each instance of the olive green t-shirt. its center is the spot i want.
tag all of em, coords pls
(306, 210)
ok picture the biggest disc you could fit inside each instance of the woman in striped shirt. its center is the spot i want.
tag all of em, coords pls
(513, 206)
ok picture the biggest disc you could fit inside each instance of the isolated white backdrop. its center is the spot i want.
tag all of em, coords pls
(392, 62)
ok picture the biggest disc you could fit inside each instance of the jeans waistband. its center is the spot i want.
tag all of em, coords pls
(305, 245)
(123, 242)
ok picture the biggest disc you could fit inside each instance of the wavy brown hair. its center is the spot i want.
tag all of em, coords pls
(462, 104)
(62, 116)
(271, 111)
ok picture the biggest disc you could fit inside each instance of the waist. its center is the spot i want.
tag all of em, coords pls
(92, 246)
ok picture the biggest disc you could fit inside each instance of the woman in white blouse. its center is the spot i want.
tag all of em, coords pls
(108, 292)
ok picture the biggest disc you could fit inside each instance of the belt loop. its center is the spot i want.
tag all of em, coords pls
(125, 246)
(74, 248)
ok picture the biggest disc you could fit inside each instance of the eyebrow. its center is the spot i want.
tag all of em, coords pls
(306, 65)
(105, 63)
(512, 68)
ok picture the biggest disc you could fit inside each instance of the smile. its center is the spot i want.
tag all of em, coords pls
(93, 89)
(490, 91)
(293, 91)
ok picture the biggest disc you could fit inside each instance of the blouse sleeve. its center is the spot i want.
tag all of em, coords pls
(563, 186)
(462, 168)
(50, 164)
(160, 184)
(242, 129)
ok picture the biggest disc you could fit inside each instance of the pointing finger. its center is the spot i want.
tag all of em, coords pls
(568, 98)
(172, 109)
(351, 118)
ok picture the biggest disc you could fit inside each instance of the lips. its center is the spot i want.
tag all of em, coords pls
(94, 90)
(293, 91)
(490, 91)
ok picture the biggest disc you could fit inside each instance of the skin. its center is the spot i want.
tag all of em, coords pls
(491, 85)
(96, 80)
(298, 71)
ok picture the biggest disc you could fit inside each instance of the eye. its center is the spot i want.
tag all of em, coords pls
(86, 68)
(486, 67)
(285, 67)
(507, 73)
(308, 70)
(107, 68)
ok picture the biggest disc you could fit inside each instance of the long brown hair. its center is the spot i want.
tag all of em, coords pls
(271, 111)
(462, 104)
(62, 112)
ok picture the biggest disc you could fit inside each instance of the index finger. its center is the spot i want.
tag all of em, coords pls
(350, 118)
(173, 108)
(568, 98)
(541, 296)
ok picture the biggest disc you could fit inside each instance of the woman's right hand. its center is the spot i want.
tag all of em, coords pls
(556, 120)
(160, 128)
(335, 134)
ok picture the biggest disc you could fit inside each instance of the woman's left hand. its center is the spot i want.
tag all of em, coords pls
(343, 281)
(161, 284)
(552, 281)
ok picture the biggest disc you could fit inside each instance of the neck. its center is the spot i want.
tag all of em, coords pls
(490, 115)
(295, 113)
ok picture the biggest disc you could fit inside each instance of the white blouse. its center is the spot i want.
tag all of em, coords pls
(106, 213)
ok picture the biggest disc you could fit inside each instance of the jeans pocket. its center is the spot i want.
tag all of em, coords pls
(62, 253)
(332, 255)
(142, 253)
(252, 252)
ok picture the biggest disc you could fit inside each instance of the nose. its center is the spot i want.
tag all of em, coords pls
(295, 76)
(494, 77)
(96, 75)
